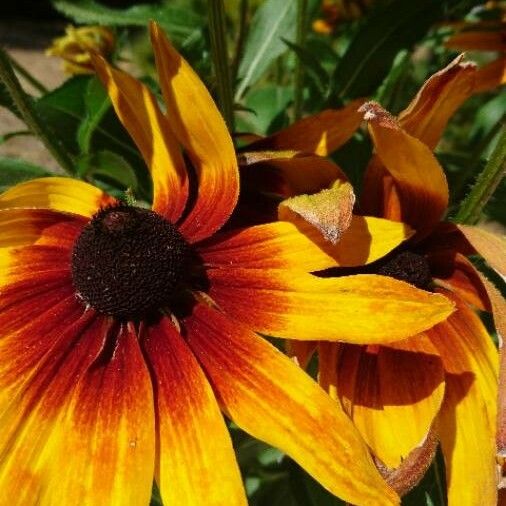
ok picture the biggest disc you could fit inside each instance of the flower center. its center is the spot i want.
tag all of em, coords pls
(408, 266)
(129, 262)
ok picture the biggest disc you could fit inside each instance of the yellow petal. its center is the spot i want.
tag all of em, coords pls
(491, 247)
(321, 133)
(138, 110)
(381, 387)
(272, 399)
(356, 309)
(441, 95)
(420, 180)
(468, 416)
(200, 128)
(197, 464)
(56, 193)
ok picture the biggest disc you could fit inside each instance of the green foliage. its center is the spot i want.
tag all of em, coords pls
(14, 171)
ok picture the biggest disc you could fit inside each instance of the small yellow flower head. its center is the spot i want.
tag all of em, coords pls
(77, 46)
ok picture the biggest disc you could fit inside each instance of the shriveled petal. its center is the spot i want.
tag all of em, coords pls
(103, 450)
(57, 193)
(196, 462)
(23, 227)
(468, 415)
(491, 247)
(320, 133)
(199, 127)
(357, 309)
(301, 246)
(271, 398)
(455, 272)
(441, 95)
(479, 40)
(491, 76)
(138, 110)
(393, 394)
(420, 180)
(329, 211)
(288, 173)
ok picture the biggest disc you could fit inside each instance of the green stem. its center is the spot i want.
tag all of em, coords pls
(298, 94)
(26, 75)
(221, 63)
(243, 25)
(485, 184)
(27, 111)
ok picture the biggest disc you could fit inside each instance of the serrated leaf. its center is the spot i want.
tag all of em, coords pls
(16, 170)
(180, 22)
(108, 165)
(97, 103)
(391, 27)
(273, 20)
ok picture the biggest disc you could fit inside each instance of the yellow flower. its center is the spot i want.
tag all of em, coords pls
(126, 332)
(444, 379)
(78, 44)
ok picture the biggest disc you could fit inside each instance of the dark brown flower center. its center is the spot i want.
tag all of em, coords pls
(408, 266)
(129, 262)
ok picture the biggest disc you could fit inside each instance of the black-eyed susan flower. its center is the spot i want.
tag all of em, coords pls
(78, 44)
(443, 380)
(127, 332)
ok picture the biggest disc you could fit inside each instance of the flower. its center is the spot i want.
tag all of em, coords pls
(126, 331)
(444, 380)
(78, 44)
(335, 11)
(484, 36)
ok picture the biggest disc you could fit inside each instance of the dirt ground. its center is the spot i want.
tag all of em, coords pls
(26, 43)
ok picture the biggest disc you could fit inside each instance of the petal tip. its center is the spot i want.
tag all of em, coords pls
(373, 112)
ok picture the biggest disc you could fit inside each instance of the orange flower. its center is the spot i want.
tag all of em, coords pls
(126, 332)
(336, 11)
(443, 380)
(77, 46)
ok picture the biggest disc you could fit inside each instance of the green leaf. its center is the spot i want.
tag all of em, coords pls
(179, 22)
(273, 19)
(391, 27)
(108, 167)
(15, 170)
(97, 103)
(11, 135)
(312, 67)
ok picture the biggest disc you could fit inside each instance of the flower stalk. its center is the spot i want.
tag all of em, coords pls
(27, 111)
(299, 68)
(485, 184)
(217, 28)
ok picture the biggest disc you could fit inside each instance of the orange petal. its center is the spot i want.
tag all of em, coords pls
(56, 193)
(491, 76)
(103, 450)
(301, 352)
(196, 464)
(321, 133)
(420, 180)
(59, 346)
(357, 309)
(23, 227)
(456, 273)
(382, 387)
(200, 128)
(138, 110)
(253, 380)
(442, 94)
(490, 246)
(329, 211)
(483, 40)
(288, 173)
(467, 419)
(301, 246)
